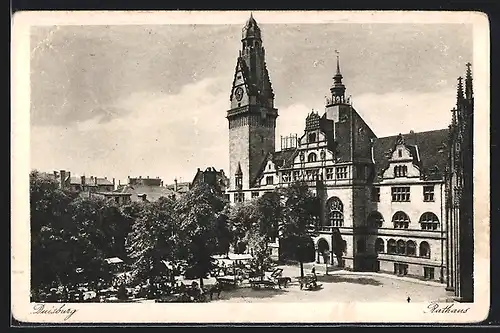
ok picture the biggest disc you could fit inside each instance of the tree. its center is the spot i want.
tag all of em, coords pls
(154, 237)
(51, 231)
(199, 211)
(264, 217)
(300, 211)
(223, 232)
(241, 219)
(339, 246)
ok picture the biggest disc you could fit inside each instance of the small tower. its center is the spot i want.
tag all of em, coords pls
(338, 88)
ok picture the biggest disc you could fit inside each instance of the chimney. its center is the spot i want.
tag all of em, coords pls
(95, 180)
(83, 180)
(105, 177)
(69, 178)
(55, 174)
(62, 174)
(161, 183)
(175, 184)
(114, 184)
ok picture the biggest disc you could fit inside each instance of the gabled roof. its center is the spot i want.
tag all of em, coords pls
(153, 193)
(429, 147)
(280, 159)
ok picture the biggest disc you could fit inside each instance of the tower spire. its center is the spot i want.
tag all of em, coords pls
(338, 88)
(468, 82)
(460, 90)
(338, 65)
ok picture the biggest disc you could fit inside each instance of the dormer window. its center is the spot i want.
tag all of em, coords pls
(400, 170)
(311, 157)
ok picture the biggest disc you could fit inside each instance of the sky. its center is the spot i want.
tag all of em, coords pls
(151, 100)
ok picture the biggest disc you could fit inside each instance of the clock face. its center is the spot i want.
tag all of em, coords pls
(239, 94)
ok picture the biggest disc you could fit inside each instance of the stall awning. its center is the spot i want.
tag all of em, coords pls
(114, 260)
(240, 256)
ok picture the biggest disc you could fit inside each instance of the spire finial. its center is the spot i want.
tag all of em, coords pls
(468, 82)
(460, 89)
(338, 62)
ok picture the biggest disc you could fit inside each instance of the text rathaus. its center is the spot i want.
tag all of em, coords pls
(398, 201)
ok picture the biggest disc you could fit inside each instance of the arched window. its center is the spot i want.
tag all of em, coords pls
(401, 247)
(311, 157)
(391, 246)
(311, 138)
(375, 219)
(429, 221)
(425, 250)
(411, 248)
(335, 210)
(401, 220)
(379, 245)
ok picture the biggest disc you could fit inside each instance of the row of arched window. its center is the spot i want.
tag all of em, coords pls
(400, 247)
(400, 220)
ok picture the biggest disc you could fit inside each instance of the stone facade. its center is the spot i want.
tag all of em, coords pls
(386, 196)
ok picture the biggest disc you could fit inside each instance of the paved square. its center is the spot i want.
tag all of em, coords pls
(341, 286)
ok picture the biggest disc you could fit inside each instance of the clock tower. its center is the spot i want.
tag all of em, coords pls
(252, 116)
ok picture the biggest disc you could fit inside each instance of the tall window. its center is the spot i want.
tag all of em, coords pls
(411, 248)
(329, 173)
(269, 180)
(286, 176)
(429, 193)
(400, 171)
(424, 250)
(400, 194)
(375, 194)
(401, 220)
(335, 209)
(375, 219)
(391, 246)
(296, 175)
(341, 172)
(311, 137)
(239, 181)
(311, 157)
(239, 197)
(379, 245)
(429, 221)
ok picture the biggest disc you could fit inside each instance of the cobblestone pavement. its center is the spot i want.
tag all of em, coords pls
(342, 286)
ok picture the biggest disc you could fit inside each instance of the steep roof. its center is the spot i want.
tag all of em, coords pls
(427, 148)
(281, 159)
(153, 193)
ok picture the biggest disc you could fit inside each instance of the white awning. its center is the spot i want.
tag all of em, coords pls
(233, 256)
(114, 260)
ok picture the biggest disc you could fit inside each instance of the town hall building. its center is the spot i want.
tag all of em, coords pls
(386, 196)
